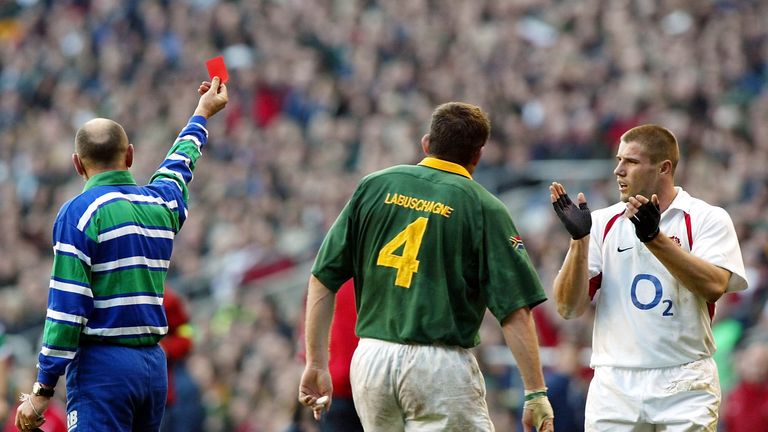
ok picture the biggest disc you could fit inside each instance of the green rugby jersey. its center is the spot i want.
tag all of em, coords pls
(430, 249)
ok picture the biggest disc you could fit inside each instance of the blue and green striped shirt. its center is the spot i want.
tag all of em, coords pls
(112, 246)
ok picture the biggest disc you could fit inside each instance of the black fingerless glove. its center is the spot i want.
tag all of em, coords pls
(646, 222)
(577, 220)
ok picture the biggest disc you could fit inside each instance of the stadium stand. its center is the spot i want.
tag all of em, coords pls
(324, 92)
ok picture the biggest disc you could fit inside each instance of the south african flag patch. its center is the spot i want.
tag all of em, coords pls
(517, 243)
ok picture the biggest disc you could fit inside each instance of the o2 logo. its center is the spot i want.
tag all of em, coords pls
(658, 291)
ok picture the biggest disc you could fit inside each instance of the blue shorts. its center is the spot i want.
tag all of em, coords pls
(116, 388)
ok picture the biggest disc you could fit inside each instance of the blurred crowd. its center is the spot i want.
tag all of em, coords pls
(323, 92)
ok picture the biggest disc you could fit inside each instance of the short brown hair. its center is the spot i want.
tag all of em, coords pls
(458, 130)
(659, 143)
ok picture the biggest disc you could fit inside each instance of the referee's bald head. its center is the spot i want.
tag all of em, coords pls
(101, 143)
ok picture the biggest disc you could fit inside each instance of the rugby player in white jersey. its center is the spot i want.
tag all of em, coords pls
(654, 263)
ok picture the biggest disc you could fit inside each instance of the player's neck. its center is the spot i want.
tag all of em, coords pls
(666, 196)
(92, 171)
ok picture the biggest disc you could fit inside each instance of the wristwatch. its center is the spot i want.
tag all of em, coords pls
(39, 390)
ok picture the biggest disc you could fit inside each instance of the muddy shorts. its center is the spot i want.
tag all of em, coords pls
(421, 388)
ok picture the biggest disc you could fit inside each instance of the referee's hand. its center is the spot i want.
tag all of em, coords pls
(213, 98)
(29, 414)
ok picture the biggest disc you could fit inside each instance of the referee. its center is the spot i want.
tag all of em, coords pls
(112, 245)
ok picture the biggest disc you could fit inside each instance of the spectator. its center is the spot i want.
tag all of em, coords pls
(184, 410)
(746, 407)
(5, 367)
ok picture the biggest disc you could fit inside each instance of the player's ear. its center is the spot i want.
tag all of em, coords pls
(477, 155)
(666, 167)
(425, 144)
(129, 156)
(78, 163)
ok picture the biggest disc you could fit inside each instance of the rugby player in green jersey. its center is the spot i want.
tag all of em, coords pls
(430, 250)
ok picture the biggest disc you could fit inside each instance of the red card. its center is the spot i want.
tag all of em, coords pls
(216, 67)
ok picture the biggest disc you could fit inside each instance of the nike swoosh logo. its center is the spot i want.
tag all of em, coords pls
(625, 249)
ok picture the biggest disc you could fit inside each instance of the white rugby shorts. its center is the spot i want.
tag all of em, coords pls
(682, 398)
(421, 388)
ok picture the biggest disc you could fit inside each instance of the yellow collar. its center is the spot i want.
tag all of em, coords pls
(444, 165)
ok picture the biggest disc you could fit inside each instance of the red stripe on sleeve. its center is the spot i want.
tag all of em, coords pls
(594, 285)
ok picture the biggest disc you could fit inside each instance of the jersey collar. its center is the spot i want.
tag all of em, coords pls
(682, 201)
(444, 165)
(118, 177)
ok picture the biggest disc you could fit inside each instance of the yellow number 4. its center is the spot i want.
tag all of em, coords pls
(406, 264)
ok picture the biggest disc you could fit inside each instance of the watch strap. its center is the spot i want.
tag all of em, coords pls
(39, 390)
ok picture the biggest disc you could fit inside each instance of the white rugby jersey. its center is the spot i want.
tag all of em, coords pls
(644, 317)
